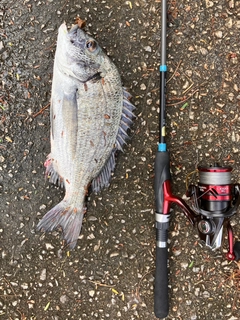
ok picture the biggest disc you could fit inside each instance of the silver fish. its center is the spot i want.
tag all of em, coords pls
(90, 115)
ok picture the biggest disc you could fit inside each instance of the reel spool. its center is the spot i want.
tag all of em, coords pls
(215, 189)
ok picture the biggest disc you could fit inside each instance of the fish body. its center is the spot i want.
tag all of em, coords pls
(90, 114)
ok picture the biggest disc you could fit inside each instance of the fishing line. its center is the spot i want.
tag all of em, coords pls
(215, 178)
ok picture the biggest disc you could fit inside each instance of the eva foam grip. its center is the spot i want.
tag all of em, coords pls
(161, 302)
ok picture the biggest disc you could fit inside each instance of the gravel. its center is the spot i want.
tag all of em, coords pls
(110, 275)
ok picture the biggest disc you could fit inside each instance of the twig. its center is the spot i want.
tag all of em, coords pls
(139, 284)
(180, 102)
(41, 111)
(185, 91)
(10, 286)
(101, 284)
(64, 5)
(179, 63)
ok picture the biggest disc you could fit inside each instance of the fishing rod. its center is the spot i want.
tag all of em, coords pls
(214, 200)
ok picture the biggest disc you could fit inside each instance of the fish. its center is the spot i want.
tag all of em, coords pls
(90, 114)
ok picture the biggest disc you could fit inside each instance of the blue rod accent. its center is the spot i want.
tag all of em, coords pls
(163, 68)
(162, 147)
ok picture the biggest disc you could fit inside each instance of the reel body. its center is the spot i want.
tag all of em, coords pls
(214, 201)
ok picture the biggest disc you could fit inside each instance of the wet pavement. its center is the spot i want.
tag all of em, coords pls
(110, 274)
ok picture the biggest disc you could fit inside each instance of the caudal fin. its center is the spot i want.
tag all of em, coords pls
(66, 216)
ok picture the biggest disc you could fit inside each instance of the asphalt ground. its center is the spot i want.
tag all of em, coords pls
(110, 274)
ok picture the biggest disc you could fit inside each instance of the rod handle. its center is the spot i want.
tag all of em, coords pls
(161, 301)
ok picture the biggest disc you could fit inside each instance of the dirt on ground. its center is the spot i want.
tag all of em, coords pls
(110, 273)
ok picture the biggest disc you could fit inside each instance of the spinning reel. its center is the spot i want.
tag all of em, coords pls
(214, 201)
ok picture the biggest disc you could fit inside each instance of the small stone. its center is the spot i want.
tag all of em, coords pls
(191, 115)
(206, 294)
(189, 73)
(231, 4)
(209, 3)
(218, 34)
(63, 299)
(43, 274)
(114, 254)
(184, 265)
(203, 51)
(92, 218)
(229, 23)
(191, 48)
(24, 286)
(231, 96)
(143, 86)
(148, 49)
(91, 236)
(91, 293)
(49, 246)
(196, 292)
(186, 85)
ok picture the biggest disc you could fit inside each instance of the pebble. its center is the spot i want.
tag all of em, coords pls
(24, 286)
(206, 294)
(229, 23)
(91, 236)
(231, 4)
(218, 34)
(91, 293)
(42, 207)
(49, 246)
(204, 51)
(92, 218)
(43, 274)
(209, 3)
(189, 73)
(196, 292)
(184, 265)
(64, 299)
(148, 49)
(114, 254)
(230, 96)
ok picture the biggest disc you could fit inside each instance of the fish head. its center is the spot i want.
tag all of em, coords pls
(78, 54)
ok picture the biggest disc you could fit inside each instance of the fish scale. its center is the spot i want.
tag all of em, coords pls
(90, 113)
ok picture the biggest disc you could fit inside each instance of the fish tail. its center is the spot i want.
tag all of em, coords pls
(66, 216)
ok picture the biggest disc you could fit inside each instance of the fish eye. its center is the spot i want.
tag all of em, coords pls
(91, 45)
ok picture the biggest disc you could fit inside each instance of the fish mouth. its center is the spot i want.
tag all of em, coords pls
(77, 37)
